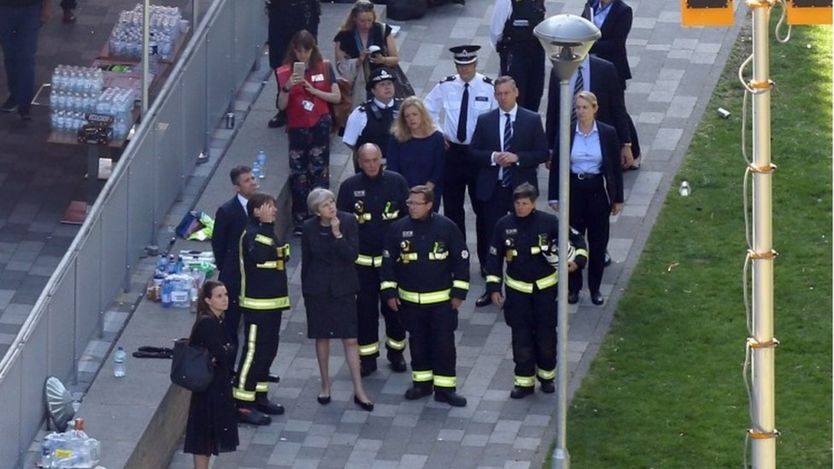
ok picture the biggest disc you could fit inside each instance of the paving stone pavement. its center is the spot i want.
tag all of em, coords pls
(38, 180)
(674, 72)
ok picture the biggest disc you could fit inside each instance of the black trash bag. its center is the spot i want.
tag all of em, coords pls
(402, 10)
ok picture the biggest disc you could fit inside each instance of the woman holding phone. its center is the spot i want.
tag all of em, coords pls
(307, 85)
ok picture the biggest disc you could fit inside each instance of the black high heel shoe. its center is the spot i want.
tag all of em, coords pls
(323, 400)
(366, 406)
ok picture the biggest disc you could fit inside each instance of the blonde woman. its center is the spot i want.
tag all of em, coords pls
(416, 148)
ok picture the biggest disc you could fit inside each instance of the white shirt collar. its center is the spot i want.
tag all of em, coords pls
(593, 130)
(512, 112)
(382, 105)
(243, 201)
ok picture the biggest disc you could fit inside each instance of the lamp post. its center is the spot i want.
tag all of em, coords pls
(566, 40)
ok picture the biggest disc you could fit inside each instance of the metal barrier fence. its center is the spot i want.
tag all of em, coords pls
(127, 214)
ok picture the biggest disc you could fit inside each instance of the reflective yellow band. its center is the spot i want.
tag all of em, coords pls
(421, 376)
(524, 381)
(285, 249)
(493, 279)
(438, 256)
(582, 252)
(518, 285)
(548, 281)
(546, 374)
(364, 217)
(425, 298)
(370, 349)
(368, 261)
(395, 344)
(259, 238)
(445, 381)
(243, 395)
(535, 250)
(409, 256)
(525, 287)
(262, 387)
(265, 303)
(268, 265)
(240, 391)
(384, 285)
(390, 215)
(460, 284)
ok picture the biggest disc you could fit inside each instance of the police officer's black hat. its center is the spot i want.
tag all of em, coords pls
(465, 55)
(378, 75)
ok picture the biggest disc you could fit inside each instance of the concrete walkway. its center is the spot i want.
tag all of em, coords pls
(674, 70)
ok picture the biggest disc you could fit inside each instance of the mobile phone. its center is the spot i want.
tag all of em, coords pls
(298, 69)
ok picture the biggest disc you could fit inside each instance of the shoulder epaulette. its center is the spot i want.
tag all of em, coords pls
(488, 80)
(449, 78)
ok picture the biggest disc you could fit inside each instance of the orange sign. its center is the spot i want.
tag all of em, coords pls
(706, 12)
(809, 12)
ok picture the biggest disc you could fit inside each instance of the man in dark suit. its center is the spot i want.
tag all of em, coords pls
(613, 18)
(229, 223)
(600, 77)
(507, 147)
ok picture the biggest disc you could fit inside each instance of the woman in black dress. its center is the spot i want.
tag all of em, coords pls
(212, 417)
(329, 247)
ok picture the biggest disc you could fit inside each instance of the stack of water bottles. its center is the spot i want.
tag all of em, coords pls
(117, 102)
(177, 283)
(75, 93)
(70, 449)
(259, 165)
(166, 25)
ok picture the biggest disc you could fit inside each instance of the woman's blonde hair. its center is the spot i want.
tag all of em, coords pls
(587, 96)
(361, 6)
(400, 128)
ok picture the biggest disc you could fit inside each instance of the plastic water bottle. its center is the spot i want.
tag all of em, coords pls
(172, 264)
(161, 266)
(167, 288)
(119, 362)
(684, 189)
(261, 161)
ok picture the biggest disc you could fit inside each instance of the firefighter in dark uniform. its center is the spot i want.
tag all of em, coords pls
(455, 104)
(521, 54)
(377, 198)
(425, 276)
(263, 298)
(371, 121)
(528, 240)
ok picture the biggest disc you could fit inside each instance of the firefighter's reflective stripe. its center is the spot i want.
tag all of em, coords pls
(546, 374)
(424, 298)
(438, 256)
(394, 344)
(463, 285)
(525, 381)
(262, 386)
(525, 287)
(535, 250)
(370, 349)
(368, 261)
(409, 256)
(268, 265)
(445, 381)
(582, 252)
(281, 302)
(240, 393)
(493, 279)
(259, 238)
(384, 285)
(421, 376)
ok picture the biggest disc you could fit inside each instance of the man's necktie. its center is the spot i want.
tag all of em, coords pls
(579, 85)
(464, 111)
(506, 176)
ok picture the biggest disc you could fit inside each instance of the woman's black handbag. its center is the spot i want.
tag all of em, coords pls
(191, 367)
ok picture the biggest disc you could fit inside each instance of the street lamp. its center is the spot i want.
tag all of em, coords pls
(566, 40)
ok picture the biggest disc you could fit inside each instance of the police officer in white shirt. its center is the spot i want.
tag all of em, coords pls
(371, 121)
(455, 103)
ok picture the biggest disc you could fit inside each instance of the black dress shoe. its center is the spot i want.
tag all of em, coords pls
(450, 397)
(417, 392)
(520, 392)
(323, 400)
(366, 406)
(268, 407)
(367, 366)
(573, 297)
(273, 379)
(279, 120)
(548, 387)
(397, 361)
(483, 300)
(596, 298)
(247, 414)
